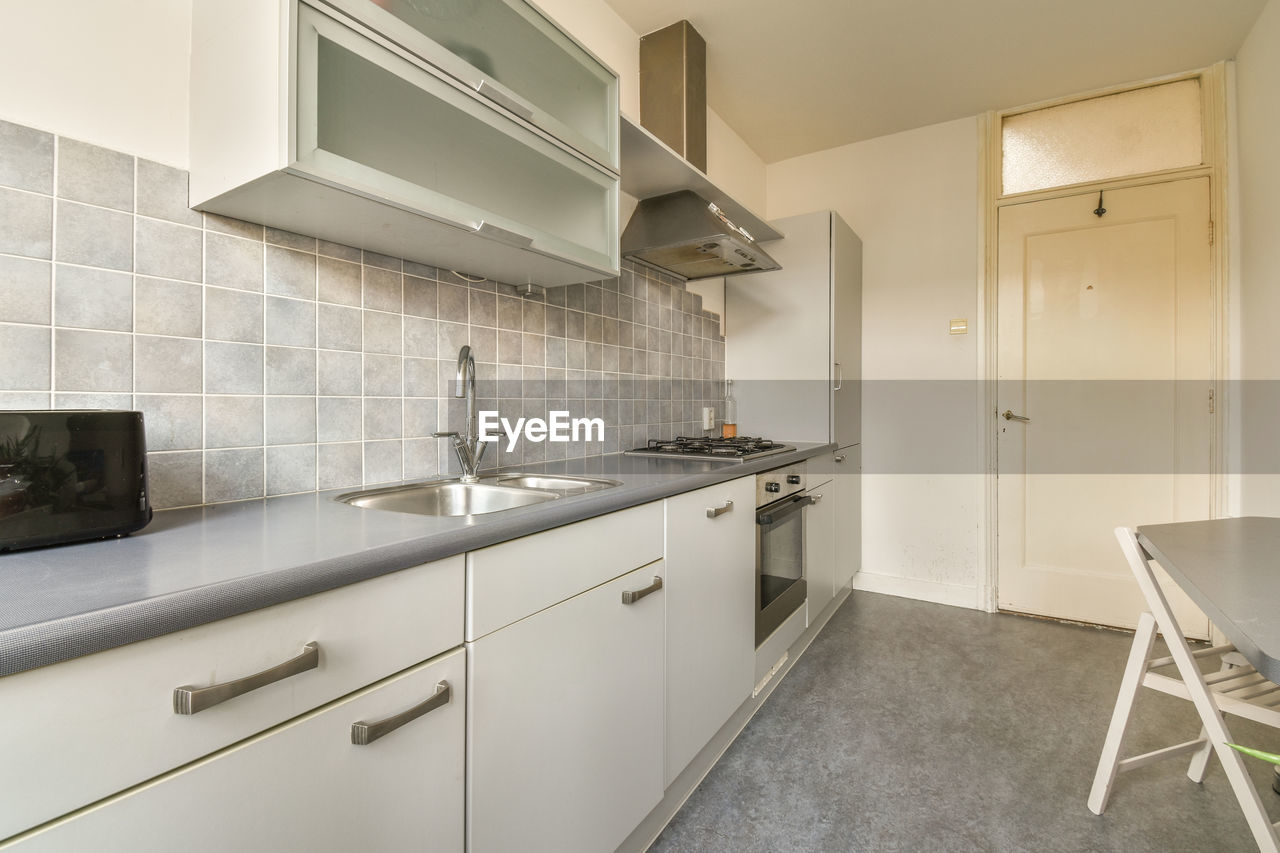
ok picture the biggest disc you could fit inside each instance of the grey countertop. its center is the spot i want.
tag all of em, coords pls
(193, 566)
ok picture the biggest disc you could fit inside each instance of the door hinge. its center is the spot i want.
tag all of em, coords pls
(1210, 232)
(1211, 404)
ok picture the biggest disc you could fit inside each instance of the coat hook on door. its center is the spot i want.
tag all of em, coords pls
(1100, 209)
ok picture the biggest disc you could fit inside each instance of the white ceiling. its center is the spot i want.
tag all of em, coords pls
(805, 75)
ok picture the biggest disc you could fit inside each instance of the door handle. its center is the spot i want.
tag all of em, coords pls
(630, 597)
(1010, 416)
(190, 699)
(717, 511)
(840, 458)
(363, 734)
(839, 377)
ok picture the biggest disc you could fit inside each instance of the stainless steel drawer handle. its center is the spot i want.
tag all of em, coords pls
(190, 699)
(489, 91)
(717, 511)
(1010, 416)
(629, 597)
(363, 734)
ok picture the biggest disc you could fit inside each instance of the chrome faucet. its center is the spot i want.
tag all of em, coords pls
(469, 447)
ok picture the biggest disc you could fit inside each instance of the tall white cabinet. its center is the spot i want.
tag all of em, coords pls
(794, 353)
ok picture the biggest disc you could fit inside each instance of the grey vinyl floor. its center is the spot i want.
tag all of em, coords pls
(912, 726)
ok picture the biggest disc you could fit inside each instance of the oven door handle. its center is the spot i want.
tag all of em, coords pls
(796, 504)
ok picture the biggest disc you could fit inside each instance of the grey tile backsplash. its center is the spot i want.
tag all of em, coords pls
(271, 363)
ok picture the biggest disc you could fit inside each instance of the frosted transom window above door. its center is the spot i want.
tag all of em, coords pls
(1112, 136)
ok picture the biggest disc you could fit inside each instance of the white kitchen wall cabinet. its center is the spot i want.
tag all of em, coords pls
(795, 351)
(848, 510)
(354, 125)
(820, 545)
(565, 721)
(304, 785)
(509, 52)
(710, 613)
(75, 732)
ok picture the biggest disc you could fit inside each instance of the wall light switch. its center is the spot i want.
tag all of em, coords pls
(960, 326)
(708, 417)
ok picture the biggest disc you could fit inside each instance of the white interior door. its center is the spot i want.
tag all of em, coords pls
(1104, 345)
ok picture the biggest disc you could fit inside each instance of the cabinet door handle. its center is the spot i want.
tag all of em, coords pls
(484, 87)
(629, 597)
(817, 498)
(190, 699)
(717, 511)
(840, 458)
(839, 377)
(363, 734)
(502, 235)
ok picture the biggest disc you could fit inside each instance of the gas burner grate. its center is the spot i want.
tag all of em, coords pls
(738, 447)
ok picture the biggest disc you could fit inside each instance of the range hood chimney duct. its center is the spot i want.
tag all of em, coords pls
(673, 90)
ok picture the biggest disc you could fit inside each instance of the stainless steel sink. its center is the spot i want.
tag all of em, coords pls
(447, 499)
(562, 484)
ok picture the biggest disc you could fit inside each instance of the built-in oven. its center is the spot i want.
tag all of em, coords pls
(780, 577)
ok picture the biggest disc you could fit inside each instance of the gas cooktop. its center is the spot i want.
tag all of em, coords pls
(737, 449)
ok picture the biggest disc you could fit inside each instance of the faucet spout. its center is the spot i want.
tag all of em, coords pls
(469, 447)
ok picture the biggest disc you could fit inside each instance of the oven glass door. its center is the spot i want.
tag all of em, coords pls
(779, 562)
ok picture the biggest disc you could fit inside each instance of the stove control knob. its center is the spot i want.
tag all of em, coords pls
(793, 479)
(772, 487)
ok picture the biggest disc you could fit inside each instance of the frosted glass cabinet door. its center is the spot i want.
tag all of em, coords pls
(508, 52)
(372, 121)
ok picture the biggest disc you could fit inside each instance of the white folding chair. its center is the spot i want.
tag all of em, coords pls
(1235, 689)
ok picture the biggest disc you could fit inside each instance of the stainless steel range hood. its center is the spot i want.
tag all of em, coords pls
(677, 229)
(685, 234)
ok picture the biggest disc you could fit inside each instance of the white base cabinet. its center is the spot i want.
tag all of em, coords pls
(710, 613)
(303, 785)
(848, 509)
(820, 547)
(565, 722)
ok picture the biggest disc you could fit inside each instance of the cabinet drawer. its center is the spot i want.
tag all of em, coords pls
(507, 51)
(509, 581)
(77, 731)
(303, 786)
(375, 122)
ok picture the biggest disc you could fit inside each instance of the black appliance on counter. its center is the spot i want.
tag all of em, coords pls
(71, 475)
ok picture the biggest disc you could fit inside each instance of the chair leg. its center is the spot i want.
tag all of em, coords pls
(1200, 760)
(1139, 654)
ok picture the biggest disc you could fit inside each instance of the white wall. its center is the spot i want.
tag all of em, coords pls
(111, 73)
(733, 166)
(1258, 171)
(913, 199)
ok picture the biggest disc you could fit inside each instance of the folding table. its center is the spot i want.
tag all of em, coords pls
(1231, 569)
